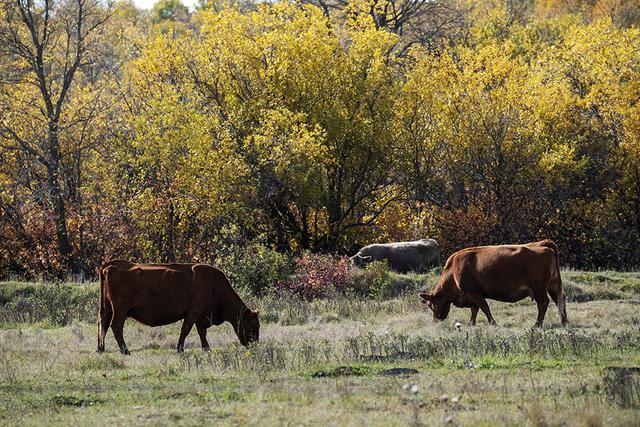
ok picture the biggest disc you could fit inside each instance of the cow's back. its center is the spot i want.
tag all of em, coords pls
(505, 273)
(154, 295)
(416, 255)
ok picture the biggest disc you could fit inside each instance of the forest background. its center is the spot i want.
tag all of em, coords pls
(244, 131)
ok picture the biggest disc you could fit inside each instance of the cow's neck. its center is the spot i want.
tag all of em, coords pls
(446, 289)
(233, 308)
(442, 286)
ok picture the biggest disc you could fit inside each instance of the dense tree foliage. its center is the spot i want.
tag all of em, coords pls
(317, 126)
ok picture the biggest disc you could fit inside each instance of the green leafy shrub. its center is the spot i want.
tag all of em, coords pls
(255, 269)
(57, 303)
(12, 290)
(374, 280)
(377, 281)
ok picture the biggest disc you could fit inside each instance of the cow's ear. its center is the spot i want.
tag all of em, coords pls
(425, 297)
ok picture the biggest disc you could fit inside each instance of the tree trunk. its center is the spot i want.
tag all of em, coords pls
(57, 200)
(170, 255)
(304, 233)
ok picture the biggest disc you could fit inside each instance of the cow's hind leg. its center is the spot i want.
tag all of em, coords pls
(560, 300)
(479, 301)
(542, 300)
(117, 326)
(474, 315)
(187, 324)
(202, 331)
(104, 320)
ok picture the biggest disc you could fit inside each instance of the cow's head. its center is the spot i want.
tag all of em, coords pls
(248, 329)
(360, 261)
(439, 305)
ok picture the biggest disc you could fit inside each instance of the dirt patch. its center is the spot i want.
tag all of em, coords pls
(74, 401)
(399, 371)
(341, 371)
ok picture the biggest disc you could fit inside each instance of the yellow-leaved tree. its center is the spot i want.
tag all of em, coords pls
(287, 111)
(481, 136)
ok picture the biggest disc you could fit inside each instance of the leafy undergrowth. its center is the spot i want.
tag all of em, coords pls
(49, 305)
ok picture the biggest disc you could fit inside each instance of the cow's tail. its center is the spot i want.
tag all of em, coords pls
(103, 311)
(557, 288)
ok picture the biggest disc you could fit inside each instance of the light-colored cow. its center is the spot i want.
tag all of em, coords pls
(418, 255)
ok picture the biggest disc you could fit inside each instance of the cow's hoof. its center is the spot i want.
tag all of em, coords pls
(125, 351)
(207, 349)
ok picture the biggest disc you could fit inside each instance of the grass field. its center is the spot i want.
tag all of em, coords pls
(329, 362)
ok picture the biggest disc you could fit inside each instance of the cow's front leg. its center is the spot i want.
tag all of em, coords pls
(474, 315)
(543, 303)
(187, 324)
(482, 304)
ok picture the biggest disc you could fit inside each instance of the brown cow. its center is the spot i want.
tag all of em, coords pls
(506, 273)
(160, 294)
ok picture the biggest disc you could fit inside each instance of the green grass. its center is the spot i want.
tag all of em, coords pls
(323, 363)
(584, 286)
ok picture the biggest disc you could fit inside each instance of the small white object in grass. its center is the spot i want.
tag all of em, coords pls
(458, 325)
(412, 388)
(455, 399)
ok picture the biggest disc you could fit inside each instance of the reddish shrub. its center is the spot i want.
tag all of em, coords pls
(317, 276)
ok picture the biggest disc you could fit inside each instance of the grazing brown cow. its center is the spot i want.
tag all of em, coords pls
(507, 273)
(160, 294)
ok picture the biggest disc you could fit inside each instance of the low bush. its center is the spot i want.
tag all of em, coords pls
(318, 276)
(57, 303)
(255, 269)
(321, 276)
(377, 281)
(372, 281)
(11, 290)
